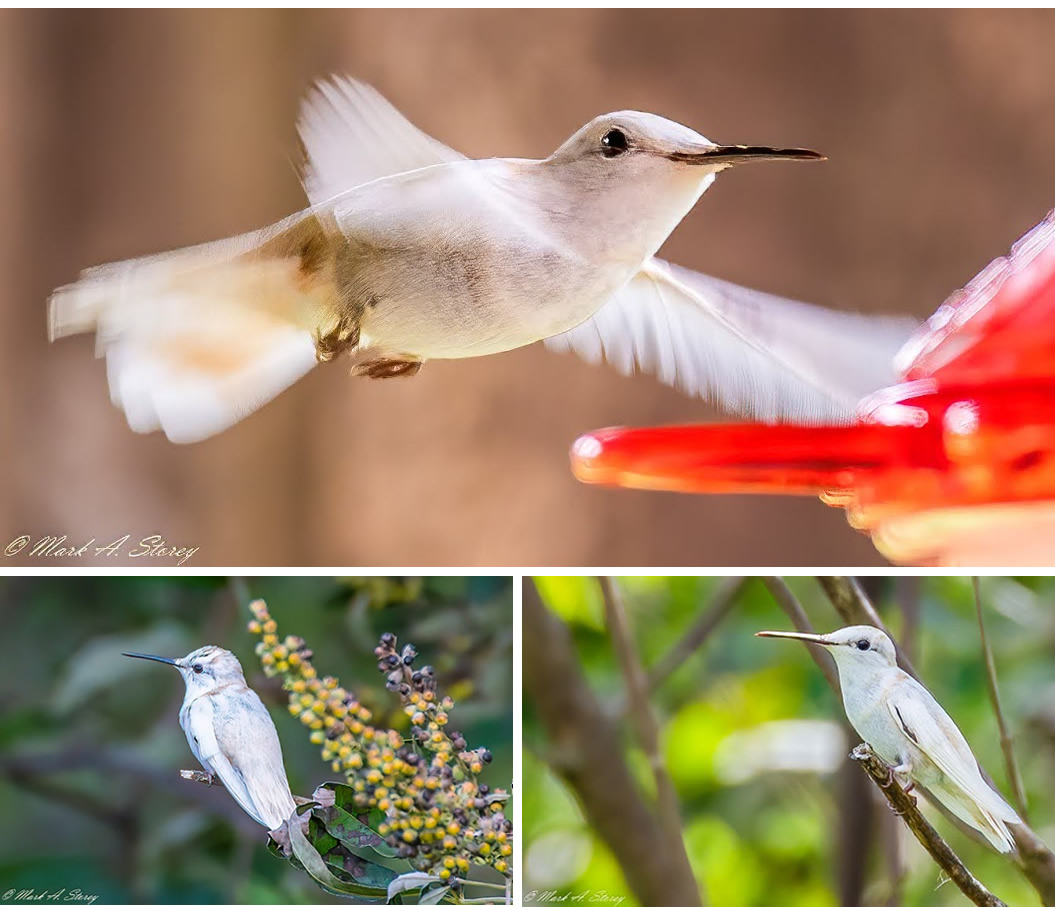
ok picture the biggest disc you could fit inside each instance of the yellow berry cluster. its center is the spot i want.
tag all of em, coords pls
(436, 814)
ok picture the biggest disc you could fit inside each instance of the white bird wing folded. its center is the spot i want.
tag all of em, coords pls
(754, 354)
(352, 135)
(250, 767)
(928, 726)
(203, 727)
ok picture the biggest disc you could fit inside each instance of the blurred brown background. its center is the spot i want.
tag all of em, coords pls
(125, 133)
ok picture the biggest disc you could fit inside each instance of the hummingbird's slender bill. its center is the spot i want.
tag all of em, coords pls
(905, 726)
(231, 733)
(410, 251)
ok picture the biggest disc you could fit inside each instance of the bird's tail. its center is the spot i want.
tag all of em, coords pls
(197, 339)
(986, 811)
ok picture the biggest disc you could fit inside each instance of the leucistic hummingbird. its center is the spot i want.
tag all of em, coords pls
(905, 726)
(231, 733)
(409, 251)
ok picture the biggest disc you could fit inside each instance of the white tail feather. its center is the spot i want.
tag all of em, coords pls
(196, 340)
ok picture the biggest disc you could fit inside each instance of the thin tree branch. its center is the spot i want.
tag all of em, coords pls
(109, 764)
(784, 597)
(586, 750)
(907, 590)
(640, 711)
(1006, 741)
(206, 778)
(890, 841)
(850, 600)
(855, 607)
(854, 834)
(102, 811)
(1038, 862)
(721, 604)
(905, 806)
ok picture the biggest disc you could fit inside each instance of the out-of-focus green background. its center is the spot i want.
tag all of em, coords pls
(90, 744)
(773, 811)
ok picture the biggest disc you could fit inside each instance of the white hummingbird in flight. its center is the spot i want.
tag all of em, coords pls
(907, 728)
(231, 733)
(409, 251)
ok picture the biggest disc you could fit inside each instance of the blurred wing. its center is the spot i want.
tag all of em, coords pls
(211, 755)
(197, 339)
(935, 733)
(352, 136)
(758, 355)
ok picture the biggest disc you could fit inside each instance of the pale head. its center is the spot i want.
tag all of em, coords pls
(641, 173)
(862, 646)
(203, 669)
(632, 141)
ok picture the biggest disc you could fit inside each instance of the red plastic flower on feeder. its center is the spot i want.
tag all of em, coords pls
(955, 464)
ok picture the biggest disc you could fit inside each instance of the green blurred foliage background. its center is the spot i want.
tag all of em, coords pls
(773, 811)
(90, 744)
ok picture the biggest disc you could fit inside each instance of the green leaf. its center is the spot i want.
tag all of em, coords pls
(356, 870)
(576, 599)
(410, 881)
(316, 867)
(435, 895)
(353, 834)
(346, 828)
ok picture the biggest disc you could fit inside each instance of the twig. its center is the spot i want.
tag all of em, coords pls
(101, 810)
(855, 607)
(110, 764)
(784, 597)
(907, 589)
(640, 711)
(905, 806)
(850, 600)
(1038, 862)
(1006, 741)
(239, 590)
(721, 603)
(206, 778)
(856, 833)
(586, 750)
(890, 841)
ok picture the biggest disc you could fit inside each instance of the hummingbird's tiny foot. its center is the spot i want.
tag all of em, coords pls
(388, 368)
(207, 778)
(343, 337)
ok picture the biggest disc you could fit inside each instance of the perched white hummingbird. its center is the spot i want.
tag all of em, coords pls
(231, 733)
(905, 726)
(410, 251)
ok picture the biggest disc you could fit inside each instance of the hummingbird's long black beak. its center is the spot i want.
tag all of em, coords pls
(166, 661)
(729, 155)
(805, 637)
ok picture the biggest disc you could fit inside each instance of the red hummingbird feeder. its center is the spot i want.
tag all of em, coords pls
(953, 465)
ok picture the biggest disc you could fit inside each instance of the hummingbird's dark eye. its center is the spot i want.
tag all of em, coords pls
(613, 143)
(198, 668)
(863, 644)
